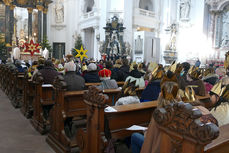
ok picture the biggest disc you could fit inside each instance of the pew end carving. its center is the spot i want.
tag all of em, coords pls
(181, 129)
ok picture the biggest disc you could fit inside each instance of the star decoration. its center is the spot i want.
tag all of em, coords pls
(32, 47)
(81, 53)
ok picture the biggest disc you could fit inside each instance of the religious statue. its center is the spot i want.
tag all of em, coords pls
(185, 9)
(225, 41)
(59, 10)
(46, 53)
(115, 46)
(138, 45)
(172, 45)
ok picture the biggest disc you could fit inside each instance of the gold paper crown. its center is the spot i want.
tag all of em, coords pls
(158, 72)
(189, 94)
(217, 88)
(129, 88)
(226, 62)
(132, 66)
(173, 67)
(194, 72)
(152, 66)
(225, 93)
(208, 71)
(179, 68)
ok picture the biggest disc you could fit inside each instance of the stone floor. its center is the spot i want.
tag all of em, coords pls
(16, 133)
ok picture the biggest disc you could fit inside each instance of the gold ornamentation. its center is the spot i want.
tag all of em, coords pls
(45, 10)
(30, 9)
(22, 2)
(12, 7)
(7, 2)
(217, 88)
(40, 7)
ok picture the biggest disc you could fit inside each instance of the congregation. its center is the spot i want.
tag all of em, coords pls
(206, 89)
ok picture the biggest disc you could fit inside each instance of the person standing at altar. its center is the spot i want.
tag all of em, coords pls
(46, 53)
(16, 53)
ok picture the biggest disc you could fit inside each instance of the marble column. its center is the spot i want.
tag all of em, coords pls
(40, 9)
(7, 23)
(11, 22)
(45, 22)
(30, 22)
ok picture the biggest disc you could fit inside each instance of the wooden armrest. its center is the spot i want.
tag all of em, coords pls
(73, 93)
(134, 107)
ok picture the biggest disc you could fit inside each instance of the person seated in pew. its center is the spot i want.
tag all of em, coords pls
(219, 97)
(48, 72)
(91, 75)
(193, 78)
(107, 82)
(152, 90)
(150, 141)
(209, 78)
(124, 70)
(37, 66)
(74, 82)
(115, 71)
(19, 66)
(129, 94)
(135, 75)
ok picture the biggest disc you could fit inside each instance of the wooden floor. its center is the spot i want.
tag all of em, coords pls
(16, 133)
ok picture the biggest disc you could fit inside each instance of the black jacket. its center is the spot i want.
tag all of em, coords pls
(74, 81)
(91, 77)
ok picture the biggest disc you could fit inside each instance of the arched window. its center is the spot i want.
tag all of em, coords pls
(146, 5)
(88, 5)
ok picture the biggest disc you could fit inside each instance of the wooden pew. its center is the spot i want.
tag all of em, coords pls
(28, 97)
(120, 84)
(91, 139)
(221, 144)
(69, 106)
(181, 130)
(17, 87)
(42, 103)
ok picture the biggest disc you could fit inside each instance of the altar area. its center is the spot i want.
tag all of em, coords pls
(27, 56)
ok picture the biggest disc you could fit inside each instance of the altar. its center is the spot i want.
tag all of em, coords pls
(27, 56)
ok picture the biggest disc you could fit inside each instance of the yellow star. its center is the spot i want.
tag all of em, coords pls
(81, 53)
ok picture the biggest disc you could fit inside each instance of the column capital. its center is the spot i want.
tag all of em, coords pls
(40, 7)
(12, 7)
(45, 10)
(7, 2)
(30, 9)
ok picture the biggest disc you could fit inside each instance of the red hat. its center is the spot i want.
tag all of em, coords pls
(104, 74)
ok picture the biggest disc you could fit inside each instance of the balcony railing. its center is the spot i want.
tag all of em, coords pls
(146, 13)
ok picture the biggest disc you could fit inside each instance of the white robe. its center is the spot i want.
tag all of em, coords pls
(16, 53)
(46, 53)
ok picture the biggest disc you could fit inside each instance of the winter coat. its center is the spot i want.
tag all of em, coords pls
(74, 81)
(49, 74)
(124, 72)
(91, 77)
(151, 92)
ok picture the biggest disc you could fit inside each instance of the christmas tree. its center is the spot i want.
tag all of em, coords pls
(45, 44)
(78, 45)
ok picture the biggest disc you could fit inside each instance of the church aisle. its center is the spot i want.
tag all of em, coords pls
(16, 133)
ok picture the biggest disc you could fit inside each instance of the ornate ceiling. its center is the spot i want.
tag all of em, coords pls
(27, 3)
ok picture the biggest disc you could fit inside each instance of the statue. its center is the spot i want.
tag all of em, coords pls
(225, 41)
(184, 9)
(46, 53)
(59, 10)
(138, 45)
(172, 45)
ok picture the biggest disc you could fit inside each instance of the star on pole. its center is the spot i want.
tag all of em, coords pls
(81, 53)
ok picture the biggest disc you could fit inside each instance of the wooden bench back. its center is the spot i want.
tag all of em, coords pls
(181, 129)
(124, 117)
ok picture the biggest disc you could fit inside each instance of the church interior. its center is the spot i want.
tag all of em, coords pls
(114, 76)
